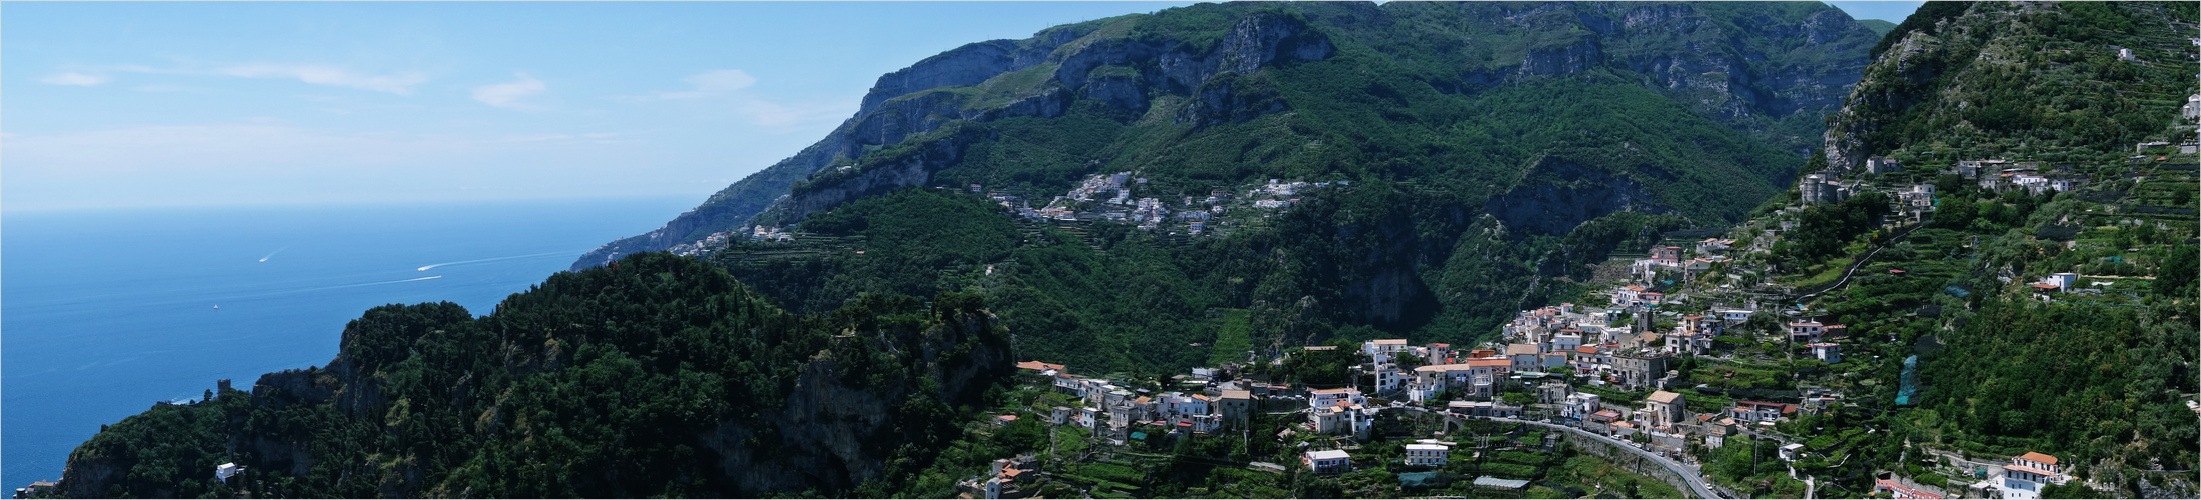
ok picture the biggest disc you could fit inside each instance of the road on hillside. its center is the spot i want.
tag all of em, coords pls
(1687, 473)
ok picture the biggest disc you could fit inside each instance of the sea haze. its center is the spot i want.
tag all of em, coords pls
(103, 313)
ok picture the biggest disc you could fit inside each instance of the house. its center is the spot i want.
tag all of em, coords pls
(1792, 452)
(1004, 420)
(1323, 398)
(1553, 361)
(1753, 411)
(1419, 392)
(1826, 351)
(2026, 474)
(1060, 415)
(1236, 405)
(1329, 462)
(225, 471)
(1665, 409)
(2063, 280)
(1879, 165)
(1806, 331)
(1579, 405)
(1733, 316)
(1896, 489)
(1389, 378)
(1427, 455)
(1383, 349)
(1628, 296)
(1666, 254)
(1637, 370)
(1566, 340)
(1525, 357)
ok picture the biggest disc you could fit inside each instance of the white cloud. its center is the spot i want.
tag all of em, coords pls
(725, 80)
(508, 94)
(74, 78)
(705, 84)
(400, 83)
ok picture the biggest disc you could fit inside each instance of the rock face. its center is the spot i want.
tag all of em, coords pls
(1750, 66)
(1553, 208)
(905, 104)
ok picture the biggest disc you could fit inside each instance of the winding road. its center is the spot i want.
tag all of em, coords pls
(1687, 473)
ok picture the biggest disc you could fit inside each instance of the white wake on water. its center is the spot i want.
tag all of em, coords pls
(272, 254)
(433, 266)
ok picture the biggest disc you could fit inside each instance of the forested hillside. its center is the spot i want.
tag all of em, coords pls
(2100, 371)
(657, 376)
(1476, 157)
(2061, 81)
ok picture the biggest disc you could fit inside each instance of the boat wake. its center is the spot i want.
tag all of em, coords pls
(272, 254)
(433, 266)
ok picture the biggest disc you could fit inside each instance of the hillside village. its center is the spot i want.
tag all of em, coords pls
(1700, 345)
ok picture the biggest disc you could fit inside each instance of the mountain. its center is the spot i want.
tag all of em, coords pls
(657, 376)
(1477, 156)
(1877, 26)
(2100, 372)
(2057, 81)
(1209, 74)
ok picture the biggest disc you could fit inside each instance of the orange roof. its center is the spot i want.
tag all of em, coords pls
(1329, 391)
(1489, 362)
(2022, 468)
(1007, 418)
(2039, 457)
(1038, 366)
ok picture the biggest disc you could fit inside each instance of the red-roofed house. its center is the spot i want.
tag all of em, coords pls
(1897, 490)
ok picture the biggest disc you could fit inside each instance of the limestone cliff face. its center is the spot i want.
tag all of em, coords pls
(1567, 195)
(935, 93)
(1121, 72)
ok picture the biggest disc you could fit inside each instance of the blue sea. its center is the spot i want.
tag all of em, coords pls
(103, 313)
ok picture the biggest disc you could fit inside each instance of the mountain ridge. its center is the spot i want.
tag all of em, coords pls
(1204, 62)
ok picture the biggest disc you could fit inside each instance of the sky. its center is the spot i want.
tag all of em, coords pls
(165, 104)
(1893, 12)
(118, 105)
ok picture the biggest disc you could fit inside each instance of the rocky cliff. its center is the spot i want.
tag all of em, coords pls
(1768, 71)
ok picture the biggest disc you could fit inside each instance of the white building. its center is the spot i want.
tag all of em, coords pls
(1826, 351)
(2027, 473)
(1329, 461)
(1427, 455)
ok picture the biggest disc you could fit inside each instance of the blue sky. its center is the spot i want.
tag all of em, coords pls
(186, 104)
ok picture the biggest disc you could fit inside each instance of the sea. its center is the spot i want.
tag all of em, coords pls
(103, 313)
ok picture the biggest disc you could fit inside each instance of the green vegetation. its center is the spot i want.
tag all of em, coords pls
(640, 379)
(2035, 81)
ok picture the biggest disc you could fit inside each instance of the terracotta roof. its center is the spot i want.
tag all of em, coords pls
(2022, 468)
(1512, 349)
(1237, 394)
(1586, 350)
(1663, 397)
(1038, 366)
(1489, 362)
(1390, 341)
(2039, 457)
